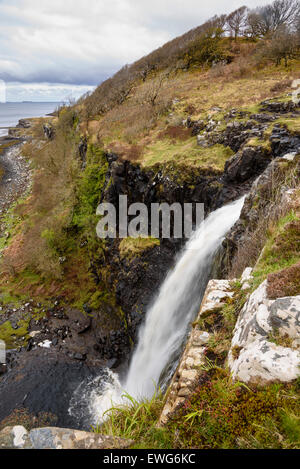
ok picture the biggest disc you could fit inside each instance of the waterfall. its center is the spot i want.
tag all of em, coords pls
(168, 320)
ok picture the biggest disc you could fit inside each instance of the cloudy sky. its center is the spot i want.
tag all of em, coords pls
(54, 49)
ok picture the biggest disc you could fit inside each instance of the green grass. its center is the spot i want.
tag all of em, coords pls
(281, 250)
(257, 142)
(137, 421)
(10, 222)
(292, 124)
(220, 414)
(14, 337)
(186, 152)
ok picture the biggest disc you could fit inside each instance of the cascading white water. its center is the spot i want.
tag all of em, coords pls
(178, 302)
(167, 321)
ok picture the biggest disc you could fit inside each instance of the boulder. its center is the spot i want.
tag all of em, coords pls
(246, 164)
(260, 360)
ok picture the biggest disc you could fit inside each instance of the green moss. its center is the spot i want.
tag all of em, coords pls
(14, 337)
(133, 247)
(10, 222)
(253, 109)
(258, 142)
(291, 123)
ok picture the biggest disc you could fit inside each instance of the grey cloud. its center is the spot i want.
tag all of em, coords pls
(84, 42)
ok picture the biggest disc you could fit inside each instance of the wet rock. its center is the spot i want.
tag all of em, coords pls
(197, 127)
(282, 142)
(79, 356)
(82, 149)
(263, 117)
(44, 380)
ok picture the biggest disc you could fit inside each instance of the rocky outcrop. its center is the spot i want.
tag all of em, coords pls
(49, 131)
(255, 357)
(246, 164)
(279, 107)
(18, 437)
(24, 124)
(189, 371)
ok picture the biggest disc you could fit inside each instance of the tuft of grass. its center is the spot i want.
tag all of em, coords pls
(14, 337)
(133, 247)
(186, 152)
(137, 420)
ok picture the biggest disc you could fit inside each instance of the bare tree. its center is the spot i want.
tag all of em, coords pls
(254, 25)
(153, 89)
(216, 25)
(236, 21)
(266, 20)
(283, 46)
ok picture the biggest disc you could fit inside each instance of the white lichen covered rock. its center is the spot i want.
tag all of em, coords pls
(253, 357)
(18, 437)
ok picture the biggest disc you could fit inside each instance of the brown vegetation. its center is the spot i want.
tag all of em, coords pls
(284, 283)
(176, 133)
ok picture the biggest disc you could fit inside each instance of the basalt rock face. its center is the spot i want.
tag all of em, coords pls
(246, 164)
(135, 281)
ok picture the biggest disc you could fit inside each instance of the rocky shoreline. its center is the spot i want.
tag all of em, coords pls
(60, 347)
